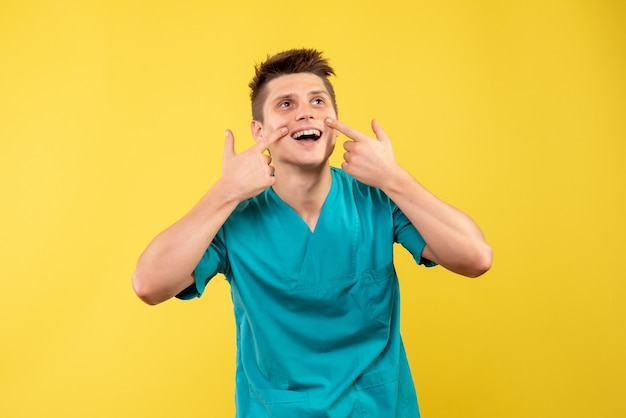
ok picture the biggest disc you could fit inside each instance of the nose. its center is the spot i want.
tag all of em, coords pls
(305, 112)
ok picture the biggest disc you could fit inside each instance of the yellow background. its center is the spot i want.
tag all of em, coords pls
(112, 116)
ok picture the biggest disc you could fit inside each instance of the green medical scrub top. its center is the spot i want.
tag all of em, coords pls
(317, 313)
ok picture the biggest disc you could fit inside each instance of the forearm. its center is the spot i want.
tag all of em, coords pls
(452, 238)
(166, 266)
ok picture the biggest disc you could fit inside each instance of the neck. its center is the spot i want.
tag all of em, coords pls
(304, 191)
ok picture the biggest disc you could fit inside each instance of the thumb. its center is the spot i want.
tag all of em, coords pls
(229, 146)
(378, 131)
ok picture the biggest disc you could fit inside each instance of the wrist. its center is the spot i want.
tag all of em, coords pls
(226, 192)
(396, 181)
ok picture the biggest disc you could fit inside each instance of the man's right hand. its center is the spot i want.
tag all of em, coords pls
(250, 172)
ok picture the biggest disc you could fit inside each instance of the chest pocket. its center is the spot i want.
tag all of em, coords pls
(379, 287)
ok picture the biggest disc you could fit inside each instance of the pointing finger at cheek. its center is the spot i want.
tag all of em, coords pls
(333, 123)
(268, 140)
(278, 134)
(345, 129)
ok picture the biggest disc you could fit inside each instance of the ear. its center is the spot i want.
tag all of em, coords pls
(256, 128)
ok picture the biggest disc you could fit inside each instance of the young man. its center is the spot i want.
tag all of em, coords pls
(308, 251)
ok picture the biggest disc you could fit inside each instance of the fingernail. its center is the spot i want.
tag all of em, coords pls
(283, 130)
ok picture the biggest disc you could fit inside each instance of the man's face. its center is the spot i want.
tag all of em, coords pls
(300, 102)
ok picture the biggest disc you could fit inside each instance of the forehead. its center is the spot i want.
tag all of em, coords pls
(295, 84)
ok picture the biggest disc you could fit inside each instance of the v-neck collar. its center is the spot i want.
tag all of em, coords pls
(331, 192)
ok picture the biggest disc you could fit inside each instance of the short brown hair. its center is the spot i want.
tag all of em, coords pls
(292, 61)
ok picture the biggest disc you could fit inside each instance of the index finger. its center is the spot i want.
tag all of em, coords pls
(347, 130)
(271, 138)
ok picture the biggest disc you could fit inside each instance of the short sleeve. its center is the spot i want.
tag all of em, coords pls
(213, 261)
(409, 237)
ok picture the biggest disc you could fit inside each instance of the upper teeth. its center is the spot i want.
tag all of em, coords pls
(306, 132)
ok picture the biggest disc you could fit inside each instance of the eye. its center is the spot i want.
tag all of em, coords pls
(318, 101)
(284, 104)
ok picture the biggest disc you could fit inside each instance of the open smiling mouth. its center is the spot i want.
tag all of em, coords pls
(308, 134)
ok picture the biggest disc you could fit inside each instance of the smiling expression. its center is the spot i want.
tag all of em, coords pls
(299, 102)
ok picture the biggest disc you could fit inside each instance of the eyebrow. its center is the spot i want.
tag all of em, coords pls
(318, 92)
(291, 95)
